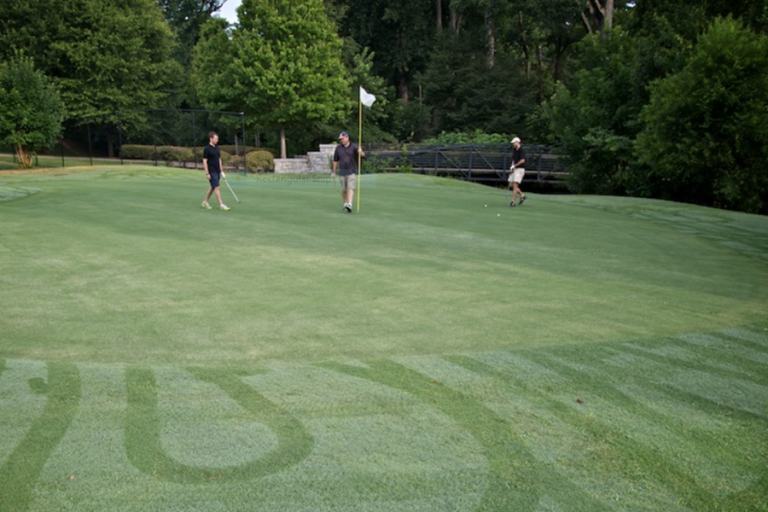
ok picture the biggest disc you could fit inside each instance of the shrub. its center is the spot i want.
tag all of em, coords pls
(168, 154)
(137, 152)
(32, 109)
(476, 137)
(234, 162)
(230, 148)
(705, 134)
(260, 160)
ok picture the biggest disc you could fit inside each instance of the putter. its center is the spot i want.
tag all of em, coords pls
(224, 176)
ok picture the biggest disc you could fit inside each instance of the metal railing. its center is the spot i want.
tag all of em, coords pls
(474, 162)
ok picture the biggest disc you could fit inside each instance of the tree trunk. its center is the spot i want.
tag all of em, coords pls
(558, 63)
(402, 86)
(455, 20)
(526, 49)
(539, 73)
(283, 152)
(490, 35)
(439, 14)
(23, 156)
(110, 146)
(601, 12)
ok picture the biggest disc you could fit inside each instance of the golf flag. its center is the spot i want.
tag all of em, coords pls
(366, 98)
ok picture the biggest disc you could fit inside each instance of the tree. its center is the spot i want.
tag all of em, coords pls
(466, 94)
(186, 18)
(104, 55)
(31, 110)
(281, 67)
(400, 33)
(594, 117)
(598, 13)
(705, 130)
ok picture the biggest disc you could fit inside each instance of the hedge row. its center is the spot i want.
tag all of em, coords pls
(165, 153)
(258, 160)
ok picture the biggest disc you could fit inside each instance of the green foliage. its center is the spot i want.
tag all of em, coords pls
(410, 121)
(232, 149)
(137, 152)
(594, 119)
(705, 130)
(260, 160)
(168, 154)
(465, 94)
(476, 137)
(362, 75)
(186, 18)
(399, 32)
(281, 66)
(103, 55)
(213, 57)
(125, 48)
(31, 110)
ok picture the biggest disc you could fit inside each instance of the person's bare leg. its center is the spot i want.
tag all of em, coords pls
(520, 193)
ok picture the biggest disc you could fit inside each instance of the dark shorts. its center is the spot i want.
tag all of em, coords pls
(214, 181)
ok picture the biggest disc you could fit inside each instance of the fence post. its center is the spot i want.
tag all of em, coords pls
(194, 138)
(245, 144)
(538, 174)
(119, 137)
(154, 136)
(90, 150)
(471, 154)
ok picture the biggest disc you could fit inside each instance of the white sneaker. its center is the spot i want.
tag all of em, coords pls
(224, 207)
(206, 205)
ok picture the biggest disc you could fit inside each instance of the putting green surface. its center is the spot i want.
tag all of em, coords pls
(438, 351)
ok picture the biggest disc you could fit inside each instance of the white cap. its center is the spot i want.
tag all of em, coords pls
(516, 139)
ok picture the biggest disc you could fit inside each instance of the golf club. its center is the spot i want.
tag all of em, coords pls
(224, 177)
(509, 183)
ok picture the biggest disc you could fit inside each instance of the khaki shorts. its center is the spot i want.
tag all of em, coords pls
(347, 182)
(517, 175)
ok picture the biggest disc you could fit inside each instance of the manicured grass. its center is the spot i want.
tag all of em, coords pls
(425, 354)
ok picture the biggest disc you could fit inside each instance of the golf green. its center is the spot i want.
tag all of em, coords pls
(436, 351)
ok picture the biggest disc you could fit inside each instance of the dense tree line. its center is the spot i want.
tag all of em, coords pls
(660, 98)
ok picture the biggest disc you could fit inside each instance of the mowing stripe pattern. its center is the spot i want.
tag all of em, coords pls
(678, 424)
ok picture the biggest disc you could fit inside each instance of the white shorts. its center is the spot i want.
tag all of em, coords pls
(517, 175)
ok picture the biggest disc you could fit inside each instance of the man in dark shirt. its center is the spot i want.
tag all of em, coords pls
(345, 159)
(518, 171)
(213, 170)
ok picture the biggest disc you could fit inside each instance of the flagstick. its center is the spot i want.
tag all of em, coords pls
(360, 146)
